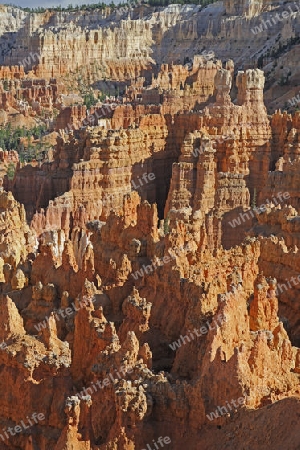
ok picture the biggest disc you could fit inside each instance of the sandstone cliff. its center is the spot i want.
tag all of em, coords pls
(123, 45)
(144, 290)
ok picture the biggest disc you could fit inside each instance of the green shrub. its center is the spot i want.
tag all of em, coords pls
(89, 100)
(11, 168)
(166, 225)
(10, 139)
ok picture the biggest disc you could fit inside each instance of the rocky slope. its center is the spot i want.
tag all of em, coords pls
(121, 45)
(190, 324)
(149, 268)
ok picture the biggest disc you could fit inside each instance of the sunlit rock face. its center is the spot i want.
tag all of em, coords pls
(149, 268)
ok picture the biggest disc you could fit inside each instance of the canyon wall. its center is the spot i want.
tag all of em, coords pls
(149, 269)
(227, 315)
(122, 45)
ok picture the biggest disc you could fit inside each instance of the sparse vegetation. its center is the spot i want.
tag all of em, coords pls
(5, 85)
(20, 140)
(253, 204)
(101, 5)
(69, 8)
(11, 168)
(284, 80)
(89, 100)
(166, 225)
(180, 2)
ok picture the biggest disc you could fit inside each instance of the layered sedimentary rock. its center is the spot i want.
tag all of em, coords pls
(125, 43)
(70, 118)
(9, 156)
(98, 167)
(85, 159)
(279, 259)
(224, 320)
(179, 88)
(101, 47)
(144, 292)
(29, 95)
(17, 240)
(9, 160)
(249, 8)
(221, 167)
(13, 72)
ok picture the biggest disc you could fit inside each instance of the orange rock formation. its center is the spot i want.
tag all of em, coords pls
(143, 293)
